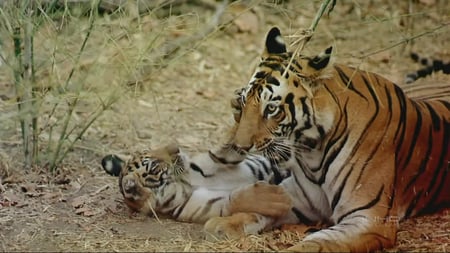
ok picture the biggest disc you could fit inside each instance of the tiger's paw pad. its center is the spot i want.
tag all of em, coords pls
(232, 227)
(305, 246)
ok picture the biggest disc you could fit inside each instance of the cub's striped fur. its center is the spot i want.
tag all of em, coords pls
(169, 183)
(364, 155)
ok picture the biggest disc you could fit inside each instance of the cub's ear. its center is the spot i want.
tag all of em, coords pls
(113, 164)
(167, 153)
(321, 61)
(274, 43)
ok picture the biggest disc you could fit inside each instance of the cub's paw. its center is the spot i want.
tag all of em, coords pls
(306, 246)
(235, 226)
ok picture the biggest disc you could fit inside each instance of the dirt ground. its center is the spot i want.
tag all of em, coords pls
(79, 208)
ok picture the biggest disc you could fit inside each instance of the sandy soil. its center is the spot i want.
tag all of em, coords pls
(79, 207)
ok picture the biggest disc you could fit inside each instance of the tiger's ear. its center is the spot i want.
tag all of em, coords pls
(274, 43)
(167, 153)
(321, 61)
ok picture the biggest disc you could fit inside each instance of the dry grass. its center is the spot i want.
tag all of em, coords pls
(184, 101)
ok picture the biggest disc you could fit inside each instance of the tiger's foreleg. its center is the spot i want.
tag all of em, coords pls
(263, 198)
(361, 217)
(253, 209)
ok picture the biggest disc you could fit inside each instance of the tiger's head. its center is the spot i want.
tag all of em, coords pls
(148, 180)
(284, 102)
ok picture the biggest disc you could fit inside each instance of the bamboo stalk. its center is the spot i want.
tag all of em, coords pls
(72, 105)
(31, 117)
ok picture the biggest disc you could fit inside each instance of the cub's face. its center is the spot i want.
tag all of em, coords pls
(142, 178)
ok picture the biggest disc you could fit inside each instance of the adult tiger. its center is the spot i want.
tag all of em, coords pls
(168, 182)
(366, 155)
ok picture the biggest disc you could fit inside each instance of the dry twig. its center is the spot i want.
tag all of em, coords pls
(306, 35)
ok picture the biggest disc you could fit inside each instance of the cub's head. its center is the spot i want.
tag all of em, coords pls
(281, 105)
(149, 178)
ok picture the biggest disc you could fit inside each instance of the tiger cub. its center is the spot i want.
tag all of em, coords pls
(167, 182)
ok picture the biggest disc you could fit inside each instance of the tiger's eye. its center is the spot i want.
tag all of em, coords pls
(271, 108)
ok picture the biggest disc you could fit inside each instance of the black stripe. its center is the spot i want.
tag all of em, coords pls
(331, 156)
(375, 101)
(367, 131)
(176, 213)
(337, 195)
(446, 104)
(260, 74)
(311, 206)
(222, 160)
(290, 101)
(274, 66)
(261, 175)
(335, 136)
(276, 98)
(413, 204)
(436, 120)
(305, 106)
(415, 136)
(390, 103)
(264, 165)
(372, 203)
(442, 165)
(208, 206)
(272, 80)
(195, 167)
(347, 82)
(326, 162)
(402, 117)
(169, 200)
(423, 163)
(251, 167)
(301, 217)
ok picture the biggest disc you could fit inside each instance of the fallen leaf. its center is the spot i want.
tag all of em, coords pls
(79, 201)
(208, 93)
(82, 210)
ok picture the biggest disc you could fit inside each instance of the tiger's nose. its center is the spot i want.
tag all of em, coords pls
(129, 186)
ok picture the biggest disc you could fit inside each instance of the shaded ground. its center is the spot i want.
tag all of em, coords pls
(80, 208)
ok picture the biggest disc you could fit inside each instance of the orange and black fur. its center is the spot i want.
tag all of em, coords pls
(364, 155)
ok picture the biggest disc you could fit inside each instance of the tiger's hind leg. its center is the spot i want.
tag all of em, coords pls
(236, 225)
(356, 234)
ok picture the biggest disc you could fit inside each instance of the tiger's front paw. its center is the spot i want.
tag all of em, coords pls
(306, 246)
(262, 198)
(235, 226)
